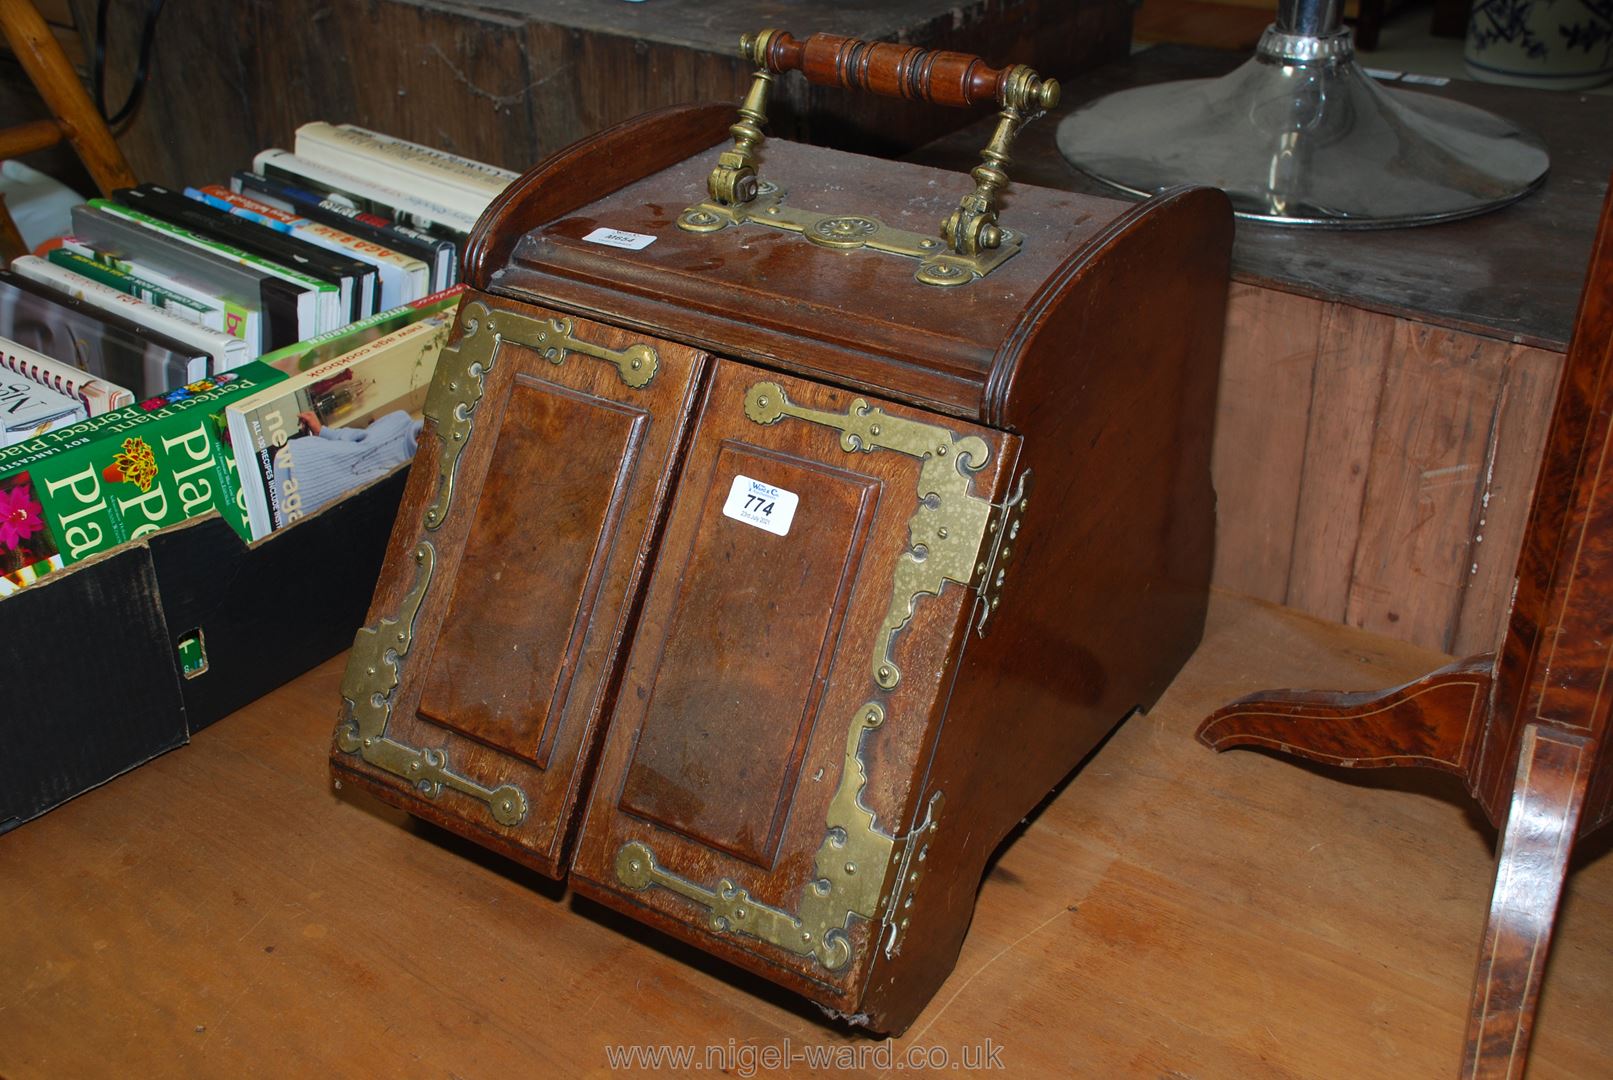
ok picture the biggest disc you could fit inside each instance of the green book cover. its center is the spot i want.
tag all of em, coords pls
(127, 473)
(219, 247)
(125, 282)
(214, 312)
(302, 355)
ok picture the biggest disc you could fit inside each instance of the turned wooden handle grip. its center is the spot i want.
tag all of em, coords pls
(904, 71)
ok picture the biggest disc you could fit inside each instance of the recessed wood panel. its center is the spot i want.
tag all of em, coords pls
(505, 659)
(746, 657)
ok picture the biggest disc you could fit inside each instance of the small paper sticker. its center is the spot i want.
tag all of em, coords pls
(762, 505)
(1426, 80)
(620, 238)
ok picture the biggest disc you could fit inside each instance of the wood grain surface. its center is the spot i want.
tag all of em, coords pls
(222, 912)
(1373, 470)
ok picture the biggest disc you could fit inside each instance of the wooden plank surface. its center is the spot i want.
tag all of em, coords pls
(223, 912)
(1375, 471)
(510, 81)
(1267, 366)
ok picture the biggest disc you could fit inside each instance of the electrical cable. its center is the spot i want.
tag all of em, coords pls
(148, 34)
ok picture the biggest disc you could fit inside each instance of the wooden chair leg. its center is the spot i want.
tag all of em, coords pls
(58, 84)
(1553, 771)
(1431, 722)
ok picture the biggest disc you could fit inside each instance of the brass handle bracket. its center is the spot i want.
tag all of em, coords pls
(970, 243)
(972, 228)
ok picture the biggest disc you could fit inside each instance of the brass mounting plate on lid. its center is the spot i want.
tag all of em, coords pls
(938, 265)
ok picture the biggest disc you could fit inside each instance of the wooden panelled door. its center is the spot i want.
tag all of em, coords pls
(550, 449)
(763, 785)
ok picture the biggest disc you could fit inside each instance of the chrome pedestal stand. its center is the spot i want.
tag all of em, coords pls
(1300, 135)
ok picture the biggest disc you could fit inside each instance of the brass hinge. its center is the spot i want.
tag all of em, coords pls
(997, 550)
(914, 852)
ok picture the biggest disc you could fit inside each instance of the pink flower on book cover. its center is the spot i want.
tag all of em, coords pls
(20, 516)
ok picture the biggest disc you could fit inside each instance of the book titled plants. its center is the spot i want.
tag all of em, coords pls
(86, 488)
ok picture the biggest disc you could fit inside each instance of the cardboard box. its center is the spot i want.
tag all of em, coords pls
(123, 657)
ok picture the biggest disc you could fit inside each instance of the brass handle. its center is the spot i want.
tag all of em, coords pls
(906, 71)
(970, 242)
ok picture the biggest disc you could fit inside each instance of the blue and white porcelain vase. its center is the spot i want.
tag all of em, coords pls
(1551, 44)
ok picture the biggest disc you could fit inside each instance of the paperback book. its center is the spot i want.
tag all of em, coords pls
(29, 410)
(364, 193)
(69, 254)
(96, 395)
(454, 181)
(89, 486)
(224, 352)
(273, 304)
(439, 254)
(105, 344)
(401, 278)
(299, 305)
(334, 427)
(353, 280)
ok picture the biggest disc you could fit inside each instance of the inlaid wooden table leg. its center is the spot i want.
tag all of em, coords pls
(1428, 723)
(1553, 768)
(1526, 729)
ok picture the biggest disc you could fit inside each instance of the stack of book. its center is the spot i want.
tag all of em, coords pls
(259, 347)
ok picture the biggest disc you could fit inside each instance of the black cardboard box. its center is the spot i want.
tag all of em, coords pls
(96, 683)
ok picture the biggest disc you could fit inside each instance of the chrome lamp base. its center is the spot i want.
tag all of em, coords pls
(1300, 135)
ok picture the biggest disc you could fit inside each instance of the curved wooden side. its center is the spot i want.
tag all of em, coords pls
(1434, 722)
(575, 176)
(1111, 379)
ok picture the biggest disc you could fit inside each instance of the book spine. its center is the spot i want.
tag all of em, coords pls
(372, 194)
(475, 172)
(241, 206)
(391, 274)
(96, 395)
(440, 256)
(402, 158)
(382, 169)
(218, 247)
(226, 352)
(224, 286)
(192, 305)
(83, 265)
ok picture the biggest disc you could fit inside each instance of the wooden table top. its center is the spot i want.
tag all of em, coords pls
(223, 912)
(1513, 274)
